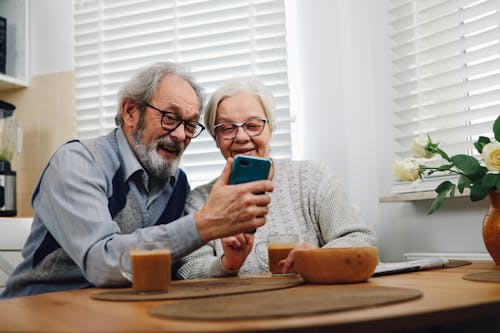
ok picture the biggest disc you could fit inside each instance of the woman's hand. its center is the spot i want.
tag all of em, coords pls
(287, 264)
(236, 249)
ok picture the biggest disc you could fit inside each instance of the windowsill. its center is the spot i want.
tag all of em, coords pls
(416, 196)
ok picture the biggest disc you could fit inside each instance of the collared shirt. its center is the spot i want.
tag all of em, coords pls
(133, 171)
(75, 212)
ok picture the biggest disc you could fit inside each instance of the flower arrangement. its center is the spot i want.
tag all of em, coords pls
(480, 176)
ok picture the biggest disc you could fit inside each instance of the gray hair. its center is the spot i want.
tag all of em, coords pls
(244, 85)
(143, 85)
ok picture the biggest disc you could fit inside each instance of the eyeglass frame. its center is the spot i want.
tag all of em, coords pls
(180, 121)
(238, 125)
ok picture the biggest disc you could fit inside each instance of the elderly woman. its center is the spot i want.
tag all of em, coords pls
(307, 199)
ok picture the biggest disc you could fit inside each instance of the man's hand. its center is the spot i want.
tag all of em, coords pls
(236, 250)
(233, 209)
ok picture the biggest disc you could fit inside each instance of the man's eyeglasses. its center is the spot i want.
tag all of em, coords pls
(171, 120)
(252, 127)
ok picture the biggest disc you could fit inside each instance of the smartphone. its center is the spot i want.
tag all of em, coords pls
(248, 169)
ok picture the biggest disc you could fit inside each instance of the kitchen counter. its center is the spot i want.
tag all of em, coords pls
(13, 232)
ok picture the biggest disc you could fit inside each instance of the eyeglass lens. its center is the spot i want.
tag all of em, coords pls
(252, 127)
(170, 121)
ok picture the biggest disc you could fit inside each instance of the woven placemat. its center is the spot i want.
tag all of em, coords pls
(306, 300)
(491, 276)
(203, 288)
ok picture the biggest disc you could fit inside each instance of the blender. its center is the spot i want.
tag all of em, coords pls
(10, 135)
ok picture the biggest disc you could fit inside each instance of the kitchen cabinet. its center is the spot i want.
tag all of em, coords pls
(17, 14)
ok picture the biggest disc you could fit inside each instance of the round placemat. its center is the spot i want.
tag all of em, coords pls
(306, 300)
(491, 276)
(202, 288)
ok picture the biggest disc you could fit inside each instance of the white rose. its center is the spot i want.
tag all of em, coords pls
(418, 147)
(491, 155)
(406, 169)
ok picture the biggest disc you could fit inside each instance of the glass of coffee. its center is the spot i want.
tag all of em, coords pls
(278, 248)
(148, 266)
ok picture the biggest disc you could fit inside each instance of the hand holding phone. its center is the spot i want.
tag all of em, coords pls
(248, 169)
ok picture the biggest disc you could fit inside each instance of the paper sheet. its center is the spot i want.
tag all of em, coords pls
(409, 266)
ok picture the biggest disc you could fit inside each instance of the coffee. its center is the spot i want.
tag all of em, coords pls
(150, 269)
(276, 253)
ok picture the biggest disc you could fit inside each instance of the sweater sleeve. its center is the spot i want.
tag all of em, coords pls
(205, 261)
(340, 222)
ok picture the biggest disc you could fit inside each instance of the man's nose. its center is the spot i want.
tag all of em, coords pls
(179, 133)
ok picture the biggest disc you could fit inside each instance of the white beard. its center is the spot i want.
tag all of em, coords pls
(154, 164)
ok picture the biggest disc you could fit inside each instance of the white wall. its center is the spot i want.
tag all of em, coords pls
(343, 52)
(51, 36)
(343, 105)
(335, 59)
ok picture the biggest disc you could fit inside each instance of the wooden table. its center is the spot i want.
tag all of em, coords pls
(448, 301)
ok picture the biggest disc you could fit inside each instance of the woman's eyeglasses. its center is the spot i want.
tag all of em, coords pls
(252, 127)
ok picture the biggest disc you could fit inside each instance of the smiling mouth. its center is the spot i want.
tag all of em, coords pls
(169, 150)
(244, 152)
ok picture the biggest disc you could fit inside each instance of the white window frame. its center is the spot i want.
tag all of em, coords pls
(446, 56)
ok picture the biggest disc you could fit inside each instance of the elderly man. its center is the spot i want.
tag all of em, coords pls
(96, 197)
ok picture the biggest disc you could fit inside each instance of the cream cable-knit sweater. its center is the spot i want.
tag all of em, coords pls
(307, 200)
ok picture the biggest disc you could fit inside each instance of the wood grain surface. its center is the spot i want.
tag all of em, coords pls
(447, 299)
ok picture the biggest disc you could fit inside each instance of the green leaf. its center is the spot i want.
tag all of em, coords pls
(490, 180)
(442, 189)
(463, 182)
(481, 142)
(483, 171)
(496, 129)
(468, 164)
(444, 186)
(498, 184)
(477, 191)
(437, 203)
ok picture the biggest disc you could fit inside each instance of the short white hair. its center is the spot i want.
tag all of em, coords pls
(142, 87)
(243, 85)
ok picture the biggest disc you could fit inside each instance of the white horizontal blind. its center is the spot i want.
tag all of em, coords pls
(447, 80)
(216, 39)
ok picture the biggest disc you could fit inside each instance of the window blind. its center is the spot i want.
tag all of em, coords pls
(216, 39)
(446, 56)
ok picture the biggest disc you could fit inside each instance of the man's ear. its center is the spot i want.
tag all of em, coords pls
(130, 113)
